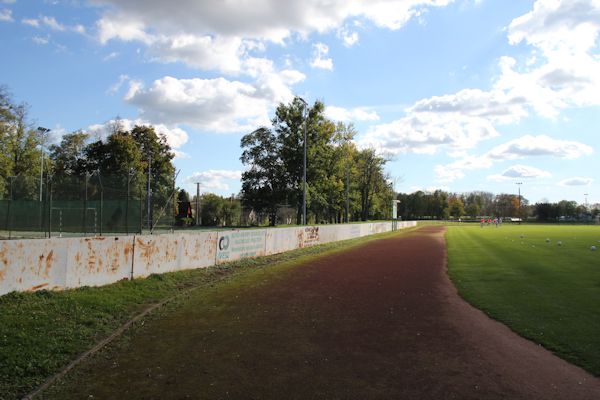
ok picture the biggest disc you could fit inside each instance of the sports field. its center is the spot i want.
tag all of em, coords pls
(543, 281)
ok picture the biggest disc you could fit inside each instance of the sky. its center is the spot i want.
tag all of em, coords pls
(463, 95)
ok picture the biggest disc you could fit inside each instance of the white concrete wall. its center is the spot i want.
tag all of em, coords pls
(59, 263)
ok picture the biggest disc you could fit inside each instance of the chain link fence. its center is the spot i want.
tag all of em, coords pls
(89, 205)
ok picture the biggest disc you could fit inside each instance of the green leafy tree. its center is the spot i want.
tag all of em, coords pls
(20, 158)
(69, 156)
(456, 206)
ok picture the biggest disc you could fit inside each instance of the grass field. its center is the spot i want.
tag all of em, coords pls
(521, 276)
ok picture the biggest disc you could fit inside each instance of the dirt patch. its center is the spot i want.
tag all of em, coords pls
(378, 321)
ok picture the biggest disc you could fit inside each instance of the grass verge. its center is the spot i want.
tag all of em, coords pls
(41, 332)
(545, 291)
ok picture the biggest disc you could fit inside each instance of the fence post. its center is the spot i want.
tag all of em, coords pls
(50, 207)
(141, 213)
(85, 181)
(8, 216)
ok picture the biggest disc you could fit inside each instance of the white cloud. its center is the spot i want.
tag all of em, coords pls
(456, 170)
(354, 114)
(218, 105)
(576, 181)
(111, 56)
(122, 28)
(205, 36)
(520, 172)
(320, 59)
(41, 40)
(117, 85)
(31, 22)
(52, 23)
(272, 20)
(427, 133)
(226, 39)
(563, 34)
(349, 38)
(523, 147)
(175, 136)
(203, 52)
(493, 105)
(6, 15)
(540, 145)
(214, 180)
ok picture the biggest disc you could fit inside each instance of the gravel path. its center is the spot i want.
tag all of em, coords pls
(381, 321)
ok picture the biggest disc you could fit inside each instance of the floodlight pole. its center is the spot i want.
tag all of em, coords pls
(42, 131)
(149, 193)
(304, 171)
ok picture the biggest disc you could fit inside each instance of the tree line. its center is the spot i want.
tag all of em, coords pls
(344, 183)
(443, 205)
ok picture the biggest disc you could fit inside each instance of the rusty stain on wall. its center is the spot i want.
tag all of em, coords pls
(37, 287)
(4, 260)
(49, 261)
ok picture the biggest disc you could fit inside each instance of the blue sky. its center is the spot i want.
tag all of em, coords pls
(460, 95)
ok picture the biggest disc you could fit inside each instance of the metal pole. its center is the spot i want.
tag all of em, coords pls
(175, 210)
(42, 131)
(101, 200)
(304, 163)
(8, 216)
(141, 204)
(127, 204)
(50, 207)
(347, 194)
(85, 206)
(519, 186)
(149, 192)
(197, 203)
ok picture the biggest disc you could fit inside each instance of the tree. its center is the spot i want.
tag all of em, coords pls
(264, 185)
(183, 196)
(20, 156)
(69, 156)
(275, 158)
(370, 169)
(456, 206)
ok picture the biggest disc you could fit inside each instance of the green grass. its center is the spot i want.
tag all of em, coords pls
(545, 292)
(41, 332)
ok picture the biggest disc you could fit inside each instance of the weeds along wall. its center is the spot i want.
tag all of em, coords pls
(60, 263)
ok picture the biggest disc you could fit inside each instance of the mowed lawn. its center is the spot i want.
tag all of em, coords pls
(544, 291)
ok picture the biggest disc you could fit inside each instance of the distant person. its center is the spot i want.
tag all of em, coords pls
(482, 222)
